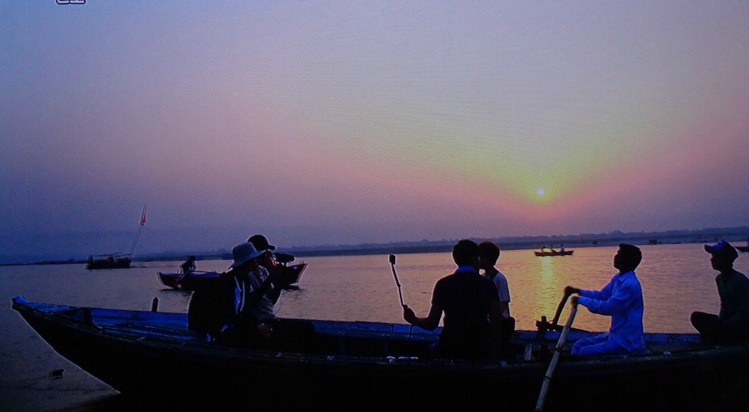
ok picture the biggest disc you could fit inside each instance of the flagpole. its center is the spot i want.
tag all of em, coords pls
(140, 225)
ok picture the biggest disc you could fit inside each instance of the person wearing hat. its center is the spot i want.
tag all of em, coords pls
(262, 245)
(237, 304)
(731, 324)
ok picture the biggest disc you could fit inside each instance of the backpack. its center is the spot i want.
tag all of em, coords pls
(206, 312)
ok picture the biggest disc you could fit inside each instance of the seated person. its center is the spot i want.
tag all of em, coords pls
(188, 266)
(471, 306)
(621, 299)
(234, 308)
(488, 256)
(731, 324)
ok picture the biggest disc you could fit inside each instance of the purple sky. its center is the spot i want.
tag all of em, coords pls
(339, 122)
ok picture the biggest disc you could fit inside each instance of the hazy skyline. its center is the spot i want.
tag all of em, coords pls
(339, 122)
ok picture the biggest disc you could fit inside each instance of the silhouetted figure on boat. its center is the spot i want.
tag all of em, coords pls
(471, 328)
(188, 266)
(621, 299)
(731, 324)
(262, 245)
(488, 256)
(234, 308)
(237, 307)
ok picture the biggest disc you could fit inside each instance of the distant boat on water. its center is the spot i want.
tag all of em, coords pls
(117, 260)
(283, 275)
(110, 261)
(743, 248)
(549, 251)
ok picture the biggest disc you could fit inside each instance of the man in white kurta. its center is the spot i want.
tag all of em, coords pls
(622, 299)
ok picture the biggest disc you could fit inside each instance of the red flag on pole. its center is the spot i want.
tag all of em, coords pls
(143, 216)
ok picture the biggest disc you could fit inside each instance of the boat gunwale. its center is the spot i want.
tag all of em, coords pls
(181, 340)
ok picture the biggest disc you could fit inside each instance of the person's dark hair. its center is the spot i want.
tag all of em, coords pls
(632, 254)
(489, 251)
(465, 251)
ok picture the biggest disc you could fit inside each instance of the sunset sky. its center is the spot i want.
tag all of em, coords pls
(346, 122)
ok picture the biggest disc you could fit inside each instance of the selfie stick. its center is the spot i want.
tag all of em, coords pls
(392, 265)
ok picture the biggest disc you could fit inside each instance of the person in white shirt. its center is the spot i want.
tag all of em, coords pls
(489, 255)
(622, 299)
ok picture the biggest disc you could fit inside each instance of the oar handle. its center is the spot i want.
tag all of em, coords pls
(555, 321)
(567, 327)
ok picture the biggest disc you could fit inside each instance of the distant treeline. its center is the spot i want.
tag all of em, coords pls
(738, 236)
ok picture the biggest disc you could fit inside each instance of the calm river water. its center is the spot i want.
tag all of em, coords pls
(677, 279)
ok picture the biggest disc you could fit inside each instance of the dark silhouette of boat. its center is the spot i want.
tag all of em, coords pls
(283, 276)
(117, 260)
(181, 281)
(110, 261)
(384, 365)
(743, 248)
(547, 251)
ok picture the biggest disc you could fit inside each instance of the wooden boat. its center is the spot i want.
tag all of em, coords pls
(552, 252)
(186, 282)
(743, 248)
(283, 275)
(110, 261)
(383, 366)
(117, 260)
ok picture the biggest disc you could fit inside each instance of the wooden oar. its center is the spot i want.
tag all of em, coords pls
(555, 358)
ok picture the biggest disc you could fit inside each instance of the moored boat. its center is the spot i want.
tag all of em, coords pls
(384, 365)
(110, 261)
(117, 260)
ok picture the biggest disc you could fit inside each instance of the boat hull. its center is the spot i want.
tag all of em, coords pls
(287, 275)
(109, 262)
(554, 253)
(359, 363)
(184, 282)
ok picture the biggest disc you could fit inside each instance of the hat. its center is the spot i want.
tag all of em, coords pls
(242, 253)
(722, 248)
(260, 242)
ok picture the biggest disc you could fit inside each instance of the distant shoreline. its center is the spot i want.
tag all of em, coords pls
(737, 236)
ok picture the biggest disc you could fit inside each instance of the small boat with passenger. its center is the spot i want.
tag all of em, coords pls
(284, 275)
(549, 251)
